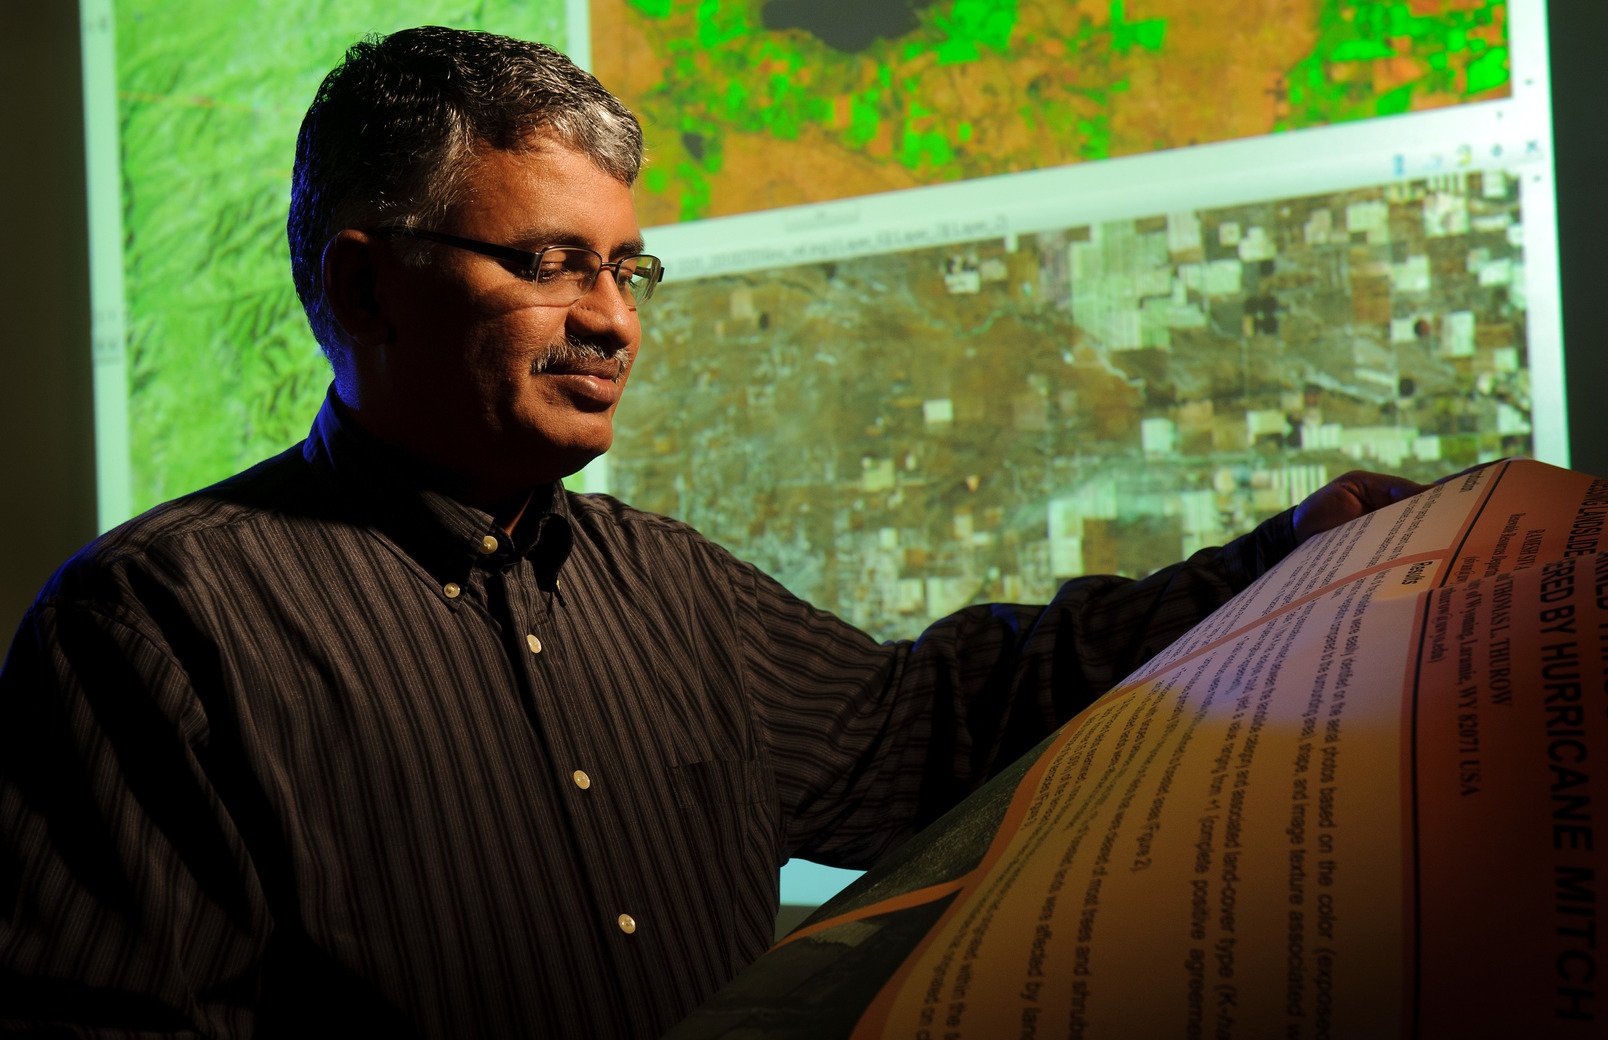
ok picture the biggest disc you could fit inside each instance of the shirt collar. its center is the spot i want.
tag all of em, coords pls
(392, 492)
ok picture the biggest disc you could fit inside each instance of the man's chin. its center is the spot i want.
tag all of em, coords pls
(556, 461)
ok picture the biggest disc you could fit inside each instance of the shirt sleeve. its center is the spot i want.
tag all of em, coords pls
(134, 910)
(148, 888)
(868, 743)
(124, 828)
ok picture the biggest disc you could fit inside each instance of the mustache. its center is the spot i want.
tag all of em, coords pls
(572, 349)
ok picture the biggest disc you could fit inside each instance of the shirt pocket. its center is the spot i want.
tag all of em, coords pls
(722, 802)
(700, 785)
(728, 818)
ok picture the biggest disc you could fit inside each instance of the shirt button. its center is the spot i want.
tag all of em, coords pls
(488, 544)
(581, 779)
(534, 644)
(450, 590)
(627, 923)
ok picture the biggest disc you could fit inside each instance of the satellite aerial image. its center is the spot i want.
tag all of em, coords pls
(896, 436)
(752, 104)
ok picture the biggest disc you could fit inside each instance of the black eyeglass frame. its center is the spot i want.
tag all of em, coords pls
(531, 262)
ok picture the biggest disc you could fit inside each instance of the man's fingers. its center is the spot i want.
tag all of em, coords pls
(1357, 493)
(1379, 489)
(1347, 497)
(1372, 490)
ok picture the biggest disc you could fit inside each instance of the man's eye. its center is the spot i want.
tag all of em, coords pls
(561, 271)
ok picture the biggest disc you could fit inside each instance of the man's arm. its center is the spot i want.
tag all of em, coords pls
(869, 743)
(130, 902)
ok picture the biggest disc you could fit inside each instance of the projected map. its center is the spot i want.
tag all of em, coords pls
(896, 436)
(752, 104)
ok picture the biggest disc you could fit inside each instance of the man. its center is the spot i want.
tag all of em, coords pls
(391, 735)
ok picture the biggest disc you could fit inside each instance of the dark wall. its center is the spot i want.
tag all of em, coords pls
(47, 448)
(1578, 31)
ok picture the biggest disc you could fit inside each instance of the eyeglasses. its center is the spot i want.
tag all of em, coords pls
(560, 274)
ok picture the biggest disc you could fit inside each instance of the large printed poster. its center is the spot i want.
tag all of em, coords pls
(1361, 800)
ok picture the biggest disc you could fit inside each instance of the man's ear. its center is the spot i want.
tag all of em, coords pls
(349, 279)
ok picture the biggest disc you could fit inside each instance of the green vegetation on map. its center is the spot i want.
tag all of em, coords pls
(728, 74)
(979, 87)
(1455, 53)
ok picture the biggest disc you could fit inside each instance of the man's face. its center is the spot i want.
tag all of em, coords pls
(468, 379)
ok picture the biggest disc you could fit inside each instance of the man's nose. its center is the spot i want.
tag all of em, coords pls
(605, 311)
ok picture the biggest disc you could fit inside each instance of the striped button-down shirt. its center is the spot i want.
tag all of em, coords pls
(317, 751)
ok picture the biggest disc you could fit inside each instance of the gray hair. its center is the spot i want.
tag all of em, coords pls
(393, 132)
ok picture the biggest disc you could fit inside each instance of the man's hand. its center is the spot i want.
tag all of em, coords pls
(1348, 497)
